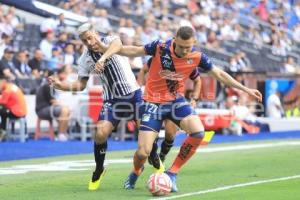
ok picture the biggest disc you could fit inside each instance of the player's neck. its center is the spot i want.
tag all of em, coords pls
(174, 47)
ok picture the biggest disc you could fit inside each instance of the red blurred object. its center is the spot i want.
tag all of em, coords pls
(95, 103)
(208, 88)
(215, 119)
(39, 133)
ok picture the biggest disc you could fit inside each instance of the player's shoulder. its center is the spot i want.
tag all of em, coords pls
(167, 42)
(85, 57)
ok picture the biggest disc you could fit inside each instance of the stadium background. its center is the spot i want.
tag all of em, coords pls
(258, 42)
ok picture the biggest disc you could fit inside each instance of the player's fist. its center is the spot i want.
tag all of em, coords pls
(256, 94)
(100, 64)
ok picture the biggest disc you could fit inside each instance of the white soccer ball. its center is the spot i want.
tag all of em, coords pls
(159, 184)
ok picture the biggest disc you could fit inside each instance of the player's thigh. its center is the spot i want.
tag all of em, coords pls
(185, 117)
(191, 124)
(170, 129)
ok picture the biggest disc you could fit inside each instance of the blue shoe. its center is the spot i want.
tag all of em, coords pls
(130, 181)
(173, 179)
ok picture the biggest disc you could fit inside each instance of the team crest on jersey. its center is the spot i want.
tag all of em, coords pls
(166, 61)
(166, 56)
(189, 61)
(167, 74)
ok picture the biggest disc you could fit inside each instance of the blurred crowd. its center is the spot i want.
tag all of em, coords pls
(273, 23)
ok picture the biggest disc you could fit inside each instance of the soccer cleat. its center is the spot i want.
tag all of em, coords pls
(154, 160)
(153, 156)
(161, 168)
(162, 157)
(95, 183)
(131, 180)
(173, 177)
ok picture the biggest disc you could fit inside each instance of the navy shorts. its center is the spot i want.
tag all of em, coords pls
(114, 110)
(152, 114)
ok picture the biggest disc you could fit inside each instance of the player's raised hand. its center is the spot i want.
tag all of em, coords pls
(256, 94)
(100, 64)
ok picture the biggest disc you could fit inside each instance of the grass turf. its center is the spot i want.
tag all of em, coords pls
(204, 171)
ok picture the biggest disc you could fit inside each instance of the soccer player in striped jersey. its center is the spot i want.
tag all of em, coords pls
(121, 92)
(173, 61)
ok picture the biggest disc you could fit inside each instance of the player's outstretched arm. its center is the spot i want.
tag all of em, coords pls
(225, 78)
(77, 85)
(132, 51)
(114, 47)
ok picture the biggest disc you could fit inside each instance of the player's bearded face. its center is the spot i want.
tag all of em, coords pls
(184, 47)
(90, 40)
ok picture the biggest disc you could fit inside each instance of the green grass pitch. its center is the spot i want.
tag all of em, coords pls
(206, 170)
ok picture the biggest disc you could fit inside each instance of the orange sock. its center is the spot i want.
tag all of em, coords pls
(187, 150)
(138, 164)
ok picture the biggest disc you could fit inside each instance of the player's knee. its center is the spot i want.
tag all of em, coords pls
(170, 136)
(143, 153)
(100, 136)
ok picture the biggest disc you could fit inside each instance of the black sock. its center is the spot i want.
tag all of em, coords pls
(99, 153)
(166, 145)
(154, 148)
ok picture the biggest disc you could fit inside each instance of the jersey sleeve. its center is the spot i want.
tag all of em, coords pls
(85, 65)
(195, 73)
(150, 48)
(108, 39)
(205, 64)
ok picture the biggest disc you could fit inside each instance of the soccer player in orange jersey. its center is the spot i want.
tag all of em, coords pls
(173, 61)
(171, 129)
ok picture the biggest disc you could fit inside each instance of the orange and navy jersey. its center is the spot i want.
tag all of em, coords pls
(13, 99)
(168, 72)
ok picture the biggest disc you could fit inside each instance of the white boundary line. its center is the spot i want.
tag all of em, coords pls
(75, 165)
(229, 187)
(247, 147)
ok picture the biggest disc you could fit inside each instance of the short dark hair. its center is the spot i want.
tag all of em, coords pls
(185, 32)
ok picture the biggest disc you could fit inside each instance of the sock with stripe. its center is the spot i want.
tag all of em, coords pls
(187, 150)
(138, 164)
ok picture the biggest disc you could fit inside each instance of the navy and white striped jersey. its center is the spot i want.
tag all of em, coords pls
(117, 78)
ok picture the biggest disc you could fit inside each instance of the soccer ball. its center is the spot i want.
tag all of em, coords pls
(159, 184)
